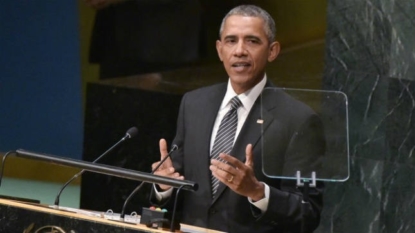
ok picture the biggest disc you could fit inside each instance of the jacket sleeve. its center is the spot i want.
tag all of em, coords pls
(177, 159)
(286, 205)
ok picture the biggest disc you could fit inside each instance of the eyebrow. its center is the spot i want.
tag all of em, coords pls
(230, 37)
(253, 37)
(246, 37)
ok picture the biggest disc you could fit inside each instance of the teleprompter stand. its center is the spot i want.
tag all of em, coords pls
(305, 184)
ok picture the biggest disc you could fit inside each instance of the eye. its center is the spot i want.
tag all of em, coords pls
(253, 41)
(230, 41)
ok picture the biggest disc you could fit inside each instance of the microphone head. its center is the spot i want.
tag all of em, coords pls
(174, 147)
(131, 132)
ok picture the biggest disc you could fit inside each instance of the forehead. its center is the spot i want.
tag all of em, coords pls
(237, 25)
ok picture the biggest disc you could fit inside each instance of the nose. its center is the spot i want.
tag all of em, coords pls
(240, 49)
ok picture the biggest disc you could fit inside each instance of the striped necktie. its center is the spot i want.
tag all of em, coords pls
(225, 136)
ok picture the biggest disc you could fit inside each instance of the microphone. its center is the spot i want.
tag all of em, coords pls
(174, 147)
(131, 132)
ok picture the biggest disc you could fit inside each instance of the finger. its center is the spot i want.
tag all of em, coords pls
(154, 165)
(164, 153)
(249, 156)
(224, 171)
(174, 175)
(163, 148)
(227, 167)
(177, 175)
(215, 170)
(236, 163)
(165, 172)
(217, 162)
(221, 174)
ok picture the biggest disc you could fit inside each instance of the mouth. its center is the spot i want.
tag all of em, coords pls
(241, 64)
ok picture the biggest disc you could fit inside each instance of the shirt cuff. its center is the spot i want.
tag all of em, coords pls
(162, 195)
(263, 203)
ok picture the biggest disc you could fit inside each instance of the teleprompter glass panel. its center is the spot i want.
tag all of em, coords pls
(304, 131)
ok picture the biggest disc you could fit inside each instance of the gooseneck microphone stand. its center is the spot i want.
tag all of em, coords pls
(129, 134)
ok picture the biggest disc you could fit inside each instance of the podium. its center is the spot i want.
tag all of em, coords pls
(36, 218)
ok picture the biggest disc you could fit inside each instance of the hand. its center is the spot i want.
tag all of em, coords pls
(166, 169)
(239, 176)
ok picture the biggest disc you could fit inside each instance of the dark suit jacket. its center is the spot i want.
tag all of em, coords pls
(294, 141)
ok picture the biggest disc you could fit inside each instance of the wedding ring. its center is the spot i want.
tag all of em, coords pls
(230, 180)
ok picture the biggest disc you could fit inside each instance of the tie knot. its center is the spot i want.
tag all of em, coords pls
(235, 102)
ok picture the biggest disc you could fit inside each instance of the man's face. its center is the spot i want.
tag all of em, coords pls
(245, 50)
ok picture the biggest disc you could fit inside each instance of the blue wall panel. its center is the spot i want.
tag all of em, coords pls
(40, 77)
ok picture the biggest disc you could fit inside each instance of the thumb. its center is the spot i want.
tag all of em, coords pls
(164, 152)
(249, 156)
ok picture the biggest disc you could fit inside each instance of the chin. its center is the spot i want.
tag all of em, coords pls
(240, 79)
(243, 82)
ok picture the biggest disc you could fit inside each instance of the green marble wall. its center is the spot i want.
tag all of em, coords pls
(370, 55)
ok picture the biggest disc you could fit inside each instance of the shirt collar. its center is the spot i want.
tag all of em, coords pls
(247, 98)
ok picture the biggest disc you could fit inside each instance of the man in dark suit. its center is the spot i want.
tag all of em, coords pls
(273, 128)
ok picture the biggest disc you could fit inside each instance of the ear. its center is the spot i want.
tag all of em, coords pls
(219, 49)
(274, 50)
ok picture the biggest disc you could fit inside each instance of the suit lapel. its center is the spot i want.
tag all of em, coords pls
(210, 108)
